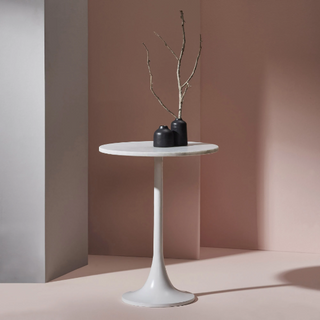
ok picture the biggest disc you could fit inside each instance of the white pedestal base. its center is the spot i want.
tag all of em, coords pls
(170, 298)
(158, 290)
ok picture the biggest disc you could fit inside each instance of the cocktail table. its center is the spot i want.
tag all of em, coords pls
(158, 291)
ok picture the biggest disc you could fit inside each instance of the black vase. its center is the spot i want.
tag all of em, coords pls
(163, 137)
(179, 129)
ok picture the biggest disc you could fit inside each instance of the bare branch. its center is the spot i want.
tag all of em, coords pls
(179, 63)
(185, 90)
(182, 99)
(165, 43)
(151, 84)
(195, 65)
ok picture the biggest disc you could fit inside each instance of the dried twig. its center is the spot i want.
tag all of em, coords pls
(184, 92)
(151, 84)
(195, 65)
(179, 64)
(185, 86)
(165, 43)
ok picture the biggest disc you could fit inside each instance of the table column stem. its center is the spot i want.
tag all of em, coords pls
(158, 208)
(158, 291)
(158, 278)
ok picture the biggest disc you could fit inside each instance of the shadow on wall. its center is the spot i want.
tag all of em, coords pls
(260, 94)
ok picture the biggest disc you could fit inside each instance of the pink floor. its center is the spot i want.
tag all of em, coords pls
(229, 284)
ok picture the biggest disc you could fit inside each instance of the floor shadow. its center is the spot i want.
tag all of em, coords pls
(211, 253)
(107, 264)
(240, 289)
(304, 277)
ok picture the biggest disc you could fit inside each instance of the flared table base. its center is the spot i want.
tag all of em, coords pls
(168, 298)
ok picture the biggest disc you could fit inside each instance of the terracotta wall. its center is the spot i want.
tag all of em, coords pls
(122, 108)
(260, 81)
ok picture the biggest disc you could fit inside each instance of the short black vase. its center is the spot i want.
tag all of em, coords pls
(163, 137)
(179, 129)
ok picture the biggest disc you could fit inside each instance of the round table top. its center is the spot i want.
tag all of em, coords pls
(146, 149)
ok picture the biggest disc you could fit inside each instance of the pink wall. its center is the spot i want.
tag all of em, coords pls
(122, 108)
(290, 129)
(230, 82)
(260, 81)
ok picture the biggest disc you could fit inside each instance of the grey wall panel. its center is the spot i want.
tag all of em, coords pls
(43, 138)
(22, 139)
(66, 135)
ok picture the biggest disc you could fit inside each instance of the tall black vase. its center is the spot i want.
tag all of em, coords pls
(163, 137)
(179, 128)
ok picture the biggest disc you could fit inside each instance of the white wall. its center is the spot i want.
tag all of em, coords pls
(43, 138)
(22, 141)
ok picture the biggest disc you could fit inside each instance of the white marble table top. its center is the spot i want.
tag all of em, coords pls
(146, 149)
